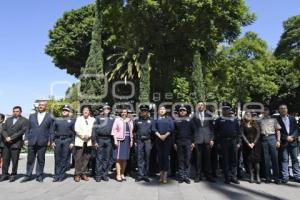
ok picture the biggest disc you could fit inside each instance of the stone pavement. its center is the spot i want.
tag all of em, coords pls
(130, 190)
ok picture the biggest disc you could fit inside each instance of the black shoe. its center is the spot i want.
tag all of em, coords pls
(198, 179)
(227, 181)
(267, 181)
(105, 178)
(146, 179)
(211, 179)
(26, 179)
(61, 180)
(98, 179)
(4, 178)
(39, 179)
(278, 182)
(297, 180)
(235, 181)
(285, 181)
(138, 179)
(180, 180)
(12, 178)
(55, 180)
(186, 180)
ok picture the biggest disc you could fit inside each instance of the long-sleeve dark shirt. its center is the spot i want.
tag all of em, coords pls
(184, 131)
(164, 125)
(63, 127)
(227, 128)
(144, 128)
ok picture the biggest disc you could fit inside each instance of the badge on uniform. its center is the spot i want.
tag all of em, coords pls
(69, 121)
(149, 121)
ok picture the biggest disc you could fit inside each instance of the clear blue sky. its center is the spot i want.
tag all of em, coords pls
(26, 73)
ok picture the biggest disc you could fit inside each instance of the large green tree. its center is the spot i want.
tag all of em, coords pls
(244, 72)
(169, 30)
(288, 64)
(289, 44)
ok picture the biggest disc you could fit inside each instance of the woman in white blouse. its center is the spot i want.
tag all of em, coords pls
(83, 144)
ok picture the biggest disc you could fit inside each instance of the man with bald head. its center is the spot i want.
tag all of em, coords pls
(37, 138)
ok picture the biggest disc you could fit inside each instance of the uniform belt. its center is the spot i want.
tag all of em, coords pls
(63, 137)
(104, 136)
(143, 137)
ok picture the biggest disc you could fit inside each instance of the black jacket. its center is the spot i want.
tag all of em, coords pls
(293, 131)
(15, 131)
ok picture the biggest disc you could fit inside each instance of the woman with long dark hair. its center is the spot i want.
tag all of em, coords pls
(252, 145)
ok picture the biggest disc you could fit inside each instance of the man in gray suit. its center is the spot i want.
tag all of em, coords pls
(203, 141)
(12, 135)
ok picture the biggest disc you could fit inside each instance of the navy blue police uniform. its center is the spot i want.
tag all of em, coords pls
(183, 135)
(144, 127)
(228, 134)
(63, 136)
(102, 137)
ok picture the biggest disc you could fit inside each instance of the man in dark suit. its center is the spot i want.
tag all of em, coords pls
(37, 138)
(2, 119)
(12, 135)
(203, 141)
(289, 144)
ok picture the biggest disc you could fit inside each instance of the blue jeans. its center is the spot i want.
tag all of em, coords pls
(291, 151)
(270, 153)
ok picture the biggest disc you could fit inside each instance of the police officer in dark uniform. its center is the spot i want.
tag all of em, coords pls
(228, 133)
(62, 140)
(144, 127)
(183, 135)
(102, 141)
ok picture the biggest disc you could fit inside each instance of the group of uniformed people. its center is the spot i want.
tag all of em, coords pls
(194, 140)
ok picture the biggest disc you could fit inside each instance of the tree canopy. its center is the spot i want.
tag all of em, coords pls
(168, 31)
(288, 64)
